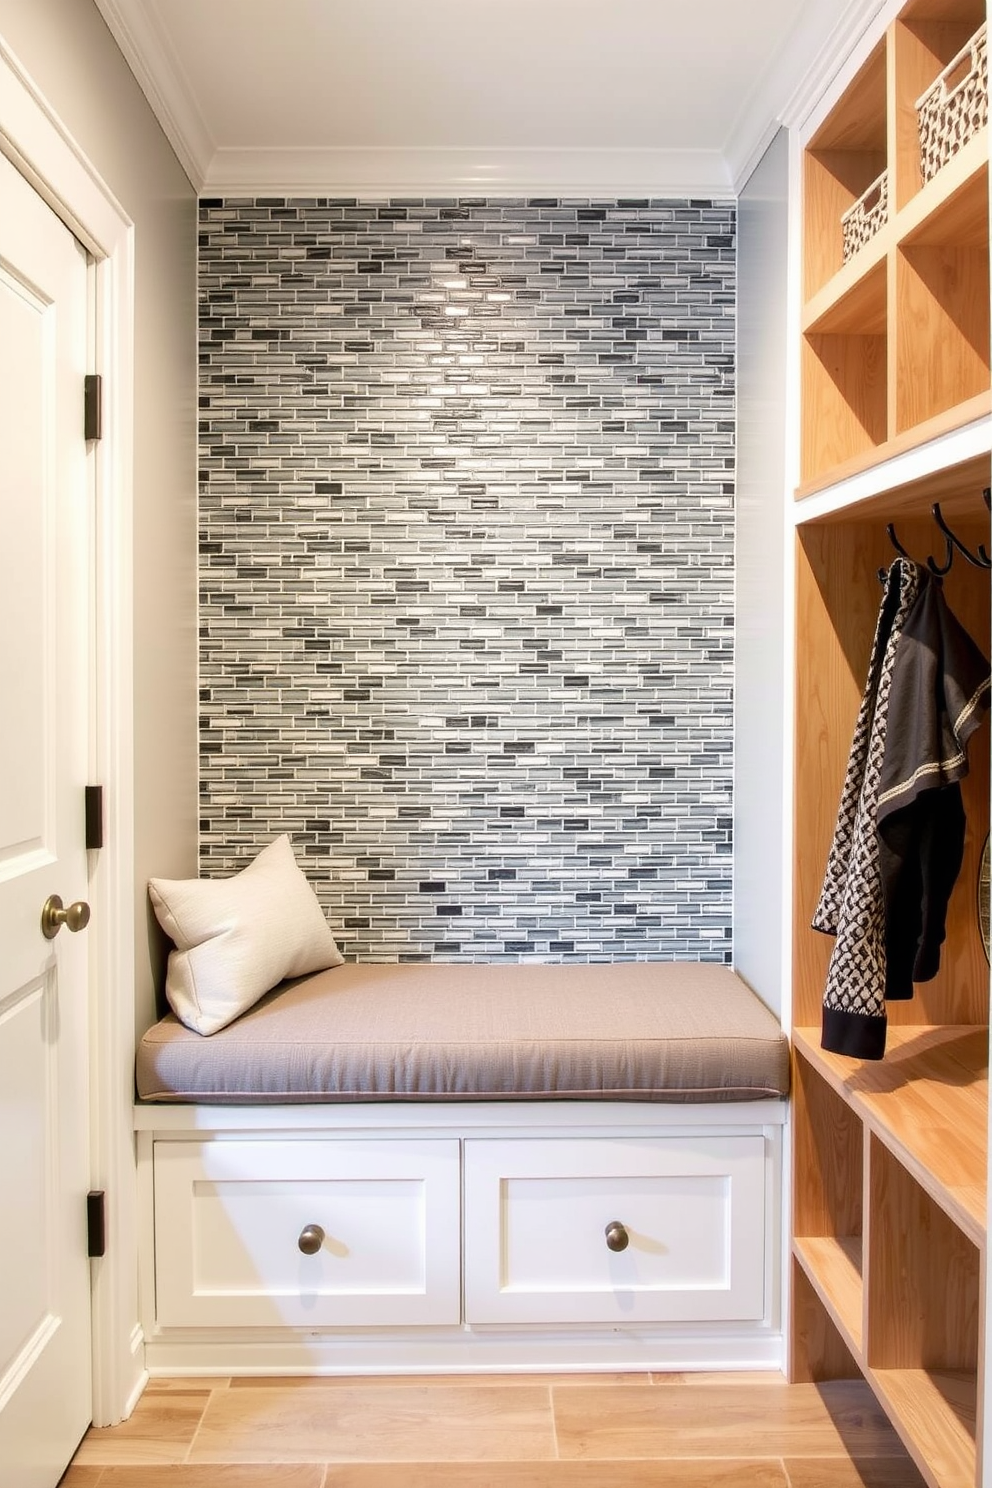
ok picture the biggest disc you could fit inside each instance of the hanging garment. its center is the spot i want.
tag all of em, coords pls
(851, 905)
(900, 833)
(939, 697)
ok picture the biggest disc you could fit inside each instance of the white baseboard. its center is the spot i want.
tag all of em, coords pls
(464, 1351)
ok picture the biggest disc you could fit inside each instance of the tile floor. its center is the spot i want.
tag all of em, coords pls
(534, 1431)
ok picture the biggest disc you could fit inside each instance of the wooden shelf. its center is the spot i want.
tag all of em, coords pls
(953, 206)
(853, 301)
(895, 340)
(935, 1414)
(927, 1102)
(837, 603)
(834, 1268)
(934, 1410)
(842, 159)
(953, 477)
(927, 35)
(890, 1157)
(901, 1143)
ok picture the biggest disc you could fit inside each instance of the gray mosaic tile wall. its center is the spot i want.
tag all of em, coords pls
(467, 568)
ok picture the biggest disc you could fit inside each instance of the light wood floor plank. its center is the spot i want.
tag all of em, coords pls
(159, 1431)
(498, 1431)
(652, 1474)
(840, 1472)
(837, 1419)
(413, 1423)
(294, 1475)
(186, 1384)
(704, 1377)
(418, 1381)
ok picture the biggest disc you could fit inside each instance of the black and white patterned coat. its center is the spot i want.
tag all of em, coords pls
(898, 843)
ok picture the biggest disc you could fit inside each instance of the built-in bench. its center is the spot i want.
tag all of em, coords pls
(655, 1031)
(439, 1167)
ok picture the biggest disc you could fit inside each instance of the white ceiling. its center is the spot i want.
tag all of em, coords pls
(497, 95)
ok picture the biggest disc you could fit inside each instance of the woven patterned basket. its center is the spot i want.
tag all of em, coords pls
(950, 112)
(861, 222)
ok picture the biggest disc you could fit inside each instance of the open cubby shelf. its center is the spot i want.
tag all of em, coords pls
(890, 1158)
(895, 338)
(902, 1302)
(926, 1103)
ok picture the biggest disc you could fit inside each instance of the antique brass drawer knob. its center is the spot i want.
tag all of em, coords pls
(311, 1239)
(616, 1235)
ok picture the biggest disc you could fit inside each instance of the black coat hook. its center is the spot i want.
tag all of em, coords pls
(940, 569)
(937, 569)
(981, 559)
(978, 560)
(890, 533)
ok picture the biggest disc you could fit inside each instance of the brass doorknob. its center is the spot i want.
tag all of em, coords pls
(53, 916)
(311, 1239)
(616, 1236)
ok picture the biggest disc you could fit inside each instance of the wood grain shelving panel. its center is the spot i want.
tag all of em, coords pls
(843, 158)
(890, 1158)
(927, 1102)
(923, 1276)
(853, 302)
(837, 603)
(968, 412)
(953, 206)
(942, 331)
(934, 1412)
(833, 1265)
(819, 1348)
(895, 347)
(954, 485)
(921, 48)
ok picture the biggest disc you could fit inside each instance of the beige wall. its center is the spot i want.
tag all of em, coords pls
(68, 51)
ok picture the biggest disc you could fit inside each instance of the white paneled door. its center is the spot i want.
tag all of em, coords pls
(45, 567)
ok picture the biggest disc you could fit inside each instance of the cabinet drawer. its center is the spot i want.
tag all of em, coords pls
(536, 1215)
(229, 1215)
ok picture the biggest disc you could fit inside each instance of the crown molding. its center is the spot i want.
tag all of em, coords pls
(860, 18)
(379, 172)
(783, 100)
(384, 172)
(140, 36)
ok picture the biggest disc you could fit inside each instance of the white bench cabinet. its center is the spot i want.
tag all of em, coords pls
(464, 1237)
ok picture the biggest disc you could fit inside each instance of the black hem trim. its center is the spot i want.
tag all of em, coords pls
(856, 1034)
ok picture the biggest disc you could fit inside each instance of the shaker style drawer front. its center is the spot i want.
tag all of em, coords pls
(314, 1234)
(617, 1231)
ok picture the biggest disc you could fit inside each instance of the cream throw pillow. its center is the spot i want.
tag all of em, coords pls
(237, 938)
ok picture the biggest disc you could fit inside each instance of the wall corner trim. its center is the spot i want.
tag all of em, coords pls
(795, 84)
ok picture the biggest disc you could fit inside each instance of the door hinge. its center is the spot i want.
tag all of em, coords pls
(96, 1223)
(92, 406)
(94, 816)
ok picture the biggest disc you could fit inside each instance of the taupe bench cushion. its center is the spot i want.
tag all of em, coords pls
(655, 1031)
